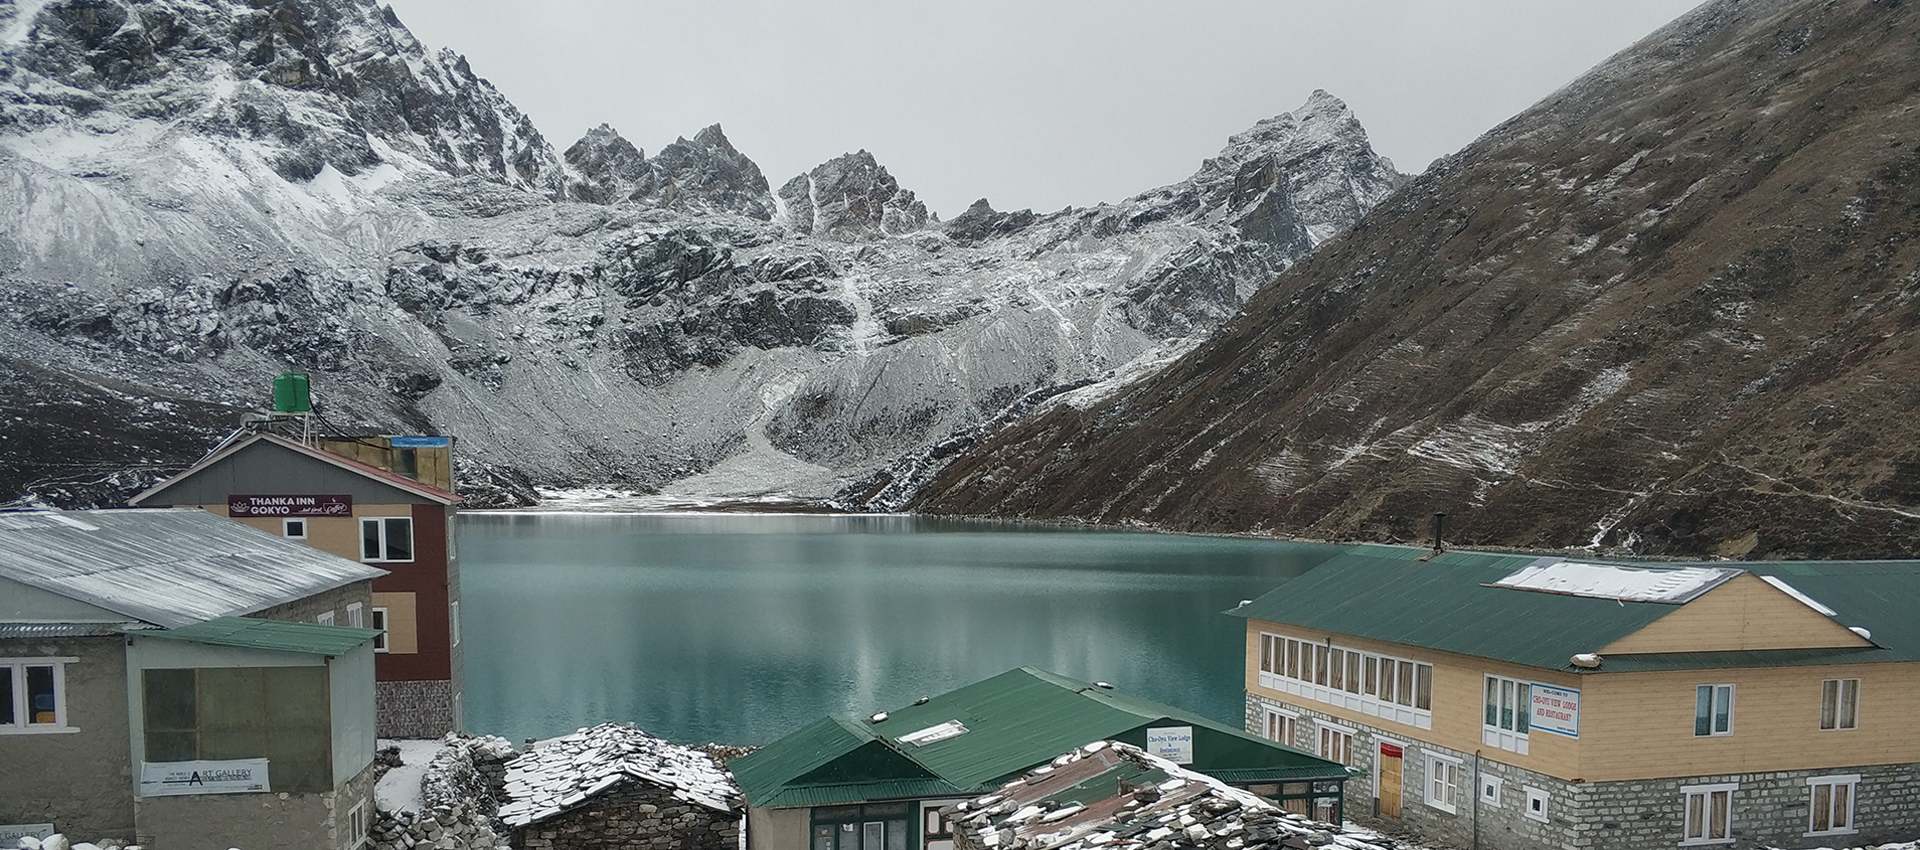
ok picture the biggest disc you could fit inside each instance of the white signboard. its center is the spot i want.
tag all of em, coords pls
(11, 833)
(1173, 743)
(176, 778)
(1555, 710)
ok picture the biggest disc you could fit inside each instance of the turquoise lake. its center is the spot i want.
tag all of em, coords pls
(740, 628)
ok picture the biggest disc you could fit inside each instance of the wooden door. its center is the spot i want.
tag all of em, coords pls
(1387, 789)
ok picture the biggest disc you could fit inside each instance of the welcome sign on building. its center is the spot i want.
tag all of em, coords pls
(245, 506)
(1555, 710)
(181, 778)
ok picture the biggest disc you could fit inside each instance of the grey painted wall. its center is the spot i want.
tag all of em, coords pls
(21, 603)
(777, 829)
(265, 469)
(80, 781)
(350, 698)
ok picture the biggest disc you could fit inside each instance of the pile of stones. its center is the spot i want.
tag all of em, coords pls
(57, 841)
(457, 827)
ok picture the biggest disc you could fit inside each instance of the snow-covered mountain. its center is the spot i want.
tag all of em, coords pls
(201, 193)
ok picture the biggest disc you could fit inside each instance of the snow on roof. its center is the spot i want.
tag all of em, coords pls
(565, 772)
(170, 568)
(1673, 585)
(1116, 796)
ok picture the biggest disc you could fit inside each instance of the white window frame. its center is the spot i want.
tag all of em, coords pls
(358, 828)
(1490, 788)
(325, 618)
(381, 523)
(356, 615)
(286, 528)
(16, 670)
(453, 623)
(1852, 783)
(1286, 720)
(1839, 699)
(1543, 797)
(1514, 739)
(1433, 764)
(1277, 654)
(1323, 732)
(1705, 793)
(379, 624)
(1712, 700)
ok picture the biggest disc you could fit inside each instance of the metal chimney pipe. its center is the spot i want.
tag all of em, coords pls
(1439, 532)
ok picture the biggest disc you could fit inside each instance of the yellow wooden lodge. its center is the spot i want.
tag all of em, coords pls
(1517, 701)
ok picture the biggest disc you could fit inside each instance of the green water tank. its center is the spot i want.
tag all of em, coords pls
(292, 393)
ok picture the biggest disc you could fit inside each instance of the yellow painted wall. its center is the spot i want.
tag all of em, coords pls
(1743, 613)
(1640, 725)
(1458, 699)
(403, 622)
(434, 465)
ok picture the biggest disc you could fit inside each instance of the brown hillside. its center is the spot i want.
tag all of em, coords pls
(1674, 307)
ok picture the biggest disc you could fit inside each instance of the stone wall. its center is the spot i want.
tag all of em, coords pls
(1769, 809)
(458, 827)
(82, 781)
(422, 709)
(309, 609)
(634, 816)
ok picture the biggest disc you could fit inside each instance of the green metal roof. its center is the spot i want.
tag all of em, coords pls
(1014, 721)
(275, 635)
(1387, 593)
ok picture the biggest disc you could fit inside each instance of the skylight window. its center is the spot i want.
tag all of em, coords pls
(940, 732)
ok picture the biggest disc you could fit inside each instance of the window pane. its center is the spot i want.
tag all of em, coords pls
(1842, 806)
(1353, 672)
(1506, 704)
(1373, 675)
(1696, 818)
(369, 539)
(6, 697)
(1337, 676)
(42, 708)
(1320, 664)
(1293, 659)
(1722, 709)
(1403, 689)
(399, 539)
(1493, 702)
(1703, 710)
(1266, 654)
(1423, 687)
(1822, 808)
(1386, 680)
(1829, 703)
(1522, 707)
(1722, 801)
(1849, 703)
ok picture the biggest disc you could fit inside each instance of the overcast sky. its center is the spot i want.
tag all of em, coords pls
(1031, 103)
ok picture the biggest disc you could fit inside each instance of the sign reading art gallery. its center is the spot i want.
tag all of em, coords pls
(1556, 710)
(1173, 743)
(244, 506)
(11, 833)
(179, 778)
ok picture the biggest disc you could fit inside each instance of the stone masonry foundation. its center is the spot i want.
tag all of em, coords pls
(414, 709)
(1769, 809)
(636, 816)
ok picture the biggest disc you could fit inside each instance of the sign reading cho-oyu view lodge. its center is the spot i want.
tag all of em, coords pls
(245, 506)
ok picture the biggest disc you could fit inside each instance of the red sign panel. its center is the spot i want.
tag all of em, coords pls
(1390, 751)
(243, 506)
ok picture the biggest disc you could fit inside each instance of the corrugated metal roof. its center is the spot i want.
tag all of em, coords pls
(1015, 720)
(166, 567)
(60, 630)
(1451, 603)
(1657, 661)
(275, 635)
(390, 479)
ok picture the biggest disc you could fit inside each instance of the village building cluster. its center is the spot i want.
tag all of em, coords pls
(212, 667)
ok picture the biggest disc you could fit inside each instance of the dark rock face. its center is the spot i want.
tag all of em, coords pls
(704, 175)
(321, 81)
(981, 221)
(1657, 312)
(851, 197)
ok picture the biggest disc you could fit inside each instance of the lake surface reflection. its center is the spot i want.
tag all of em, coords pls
(740, 628)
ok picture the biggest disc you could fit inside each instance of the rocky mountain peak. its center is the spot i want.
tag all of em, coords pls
(850, 197)
(705, 174)
(303, 85)
(981, 221)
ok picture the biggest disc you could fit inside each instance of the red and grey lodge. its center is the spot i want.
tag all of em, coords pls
(381, 500)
